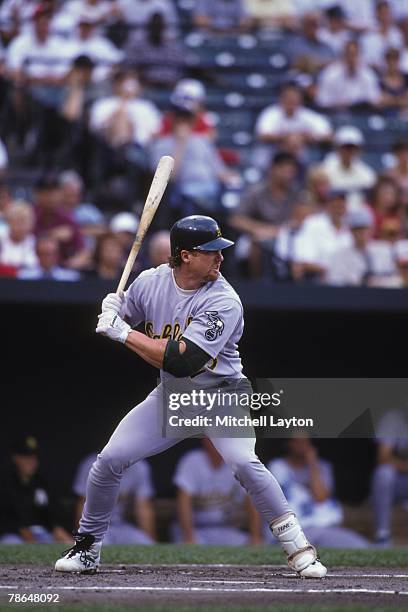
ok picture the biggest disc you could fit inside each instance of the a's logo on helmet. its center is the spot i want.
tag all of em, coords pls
(215, 324)
(218, 233)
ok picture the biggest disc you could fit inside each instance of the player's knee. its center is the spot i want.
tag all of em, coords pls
(109, 463)
(239, 462)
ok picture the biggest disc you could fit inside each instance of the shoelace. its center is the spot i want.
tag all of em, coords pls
(82, 547)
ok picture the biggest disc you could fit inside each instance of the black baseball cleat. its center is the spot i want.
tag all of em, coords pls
(83, 557)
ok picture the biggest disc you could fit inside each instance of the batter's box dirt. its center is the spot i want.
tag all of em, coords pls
(176, 585)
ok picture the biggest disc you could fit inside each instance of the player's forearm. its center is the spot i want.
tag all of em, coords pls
(145, 517)
(185, 514)
(150, 349)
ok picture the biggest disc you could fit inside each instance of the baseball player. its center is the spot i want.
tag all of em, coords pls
(193, 323)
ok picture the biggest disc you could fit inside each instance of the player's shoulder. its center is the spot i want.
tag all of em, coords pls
(222, 290)
(152, 274)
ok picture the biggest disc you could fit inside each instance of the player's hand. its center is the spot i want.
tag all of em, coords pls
(113, 301)
(111, 325)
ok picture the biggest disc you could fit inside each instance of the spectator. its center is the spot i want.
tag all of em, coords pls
(221, 16)
(208, 500)
(393, 83)
(53, 220)
(360, 16)
(385, 201)
(336, 33)
(308, 483)
(108, 258)
(400, 277)
(134, 502)
(290, 125)
(158, 59)
(307, 52)
(199, 171)
(27, 514)
(136, 14)
(390, 478)
(347, 82)
(318, 186)
(345, 168)
(281, 251)
(6, 201)
(390, 230)
(374, 44)
(125, 118)
(265, 207)
(89, 42)
(78, 91)
(100, 10)
(38, 57)
(159, 248)
(124, 225)
(189, 94)
(320, 236)
(277, 15)
(404, 50)
(366, 261)
(47, 268)
(399, 172)
(17, 246)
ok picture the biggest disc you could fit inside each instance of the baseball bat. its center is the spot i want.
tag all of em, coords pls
(156, 191)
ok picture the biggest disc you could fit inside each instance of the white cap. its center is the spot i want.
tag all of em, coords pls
(191, 89)
(124, 222)
(401, 250)
(349, 135)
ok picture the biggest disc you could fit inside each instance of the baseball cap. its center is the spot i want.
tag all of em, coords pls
(188, 94)
(359, 218)
(124, 222)
(336, 194)
(25, 444)
(349, 135)
(88, 214)
(401, 251)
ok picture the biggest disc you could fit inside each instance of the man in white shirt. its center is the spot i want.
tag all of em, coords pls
(386, 34)
(37, 55)
(124, 118)
(346, 169)
(88, 41)
(289, 122)
(364, 262)
(347, 82)
(47, 267)
(320, 236)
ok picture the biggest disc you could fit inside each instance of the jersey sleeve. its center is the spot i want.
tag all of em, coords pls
(212, 327)
(185, 476)
(143, 487)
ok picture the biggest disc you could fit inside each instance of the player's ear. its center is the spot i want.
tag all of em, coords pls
(185, 256)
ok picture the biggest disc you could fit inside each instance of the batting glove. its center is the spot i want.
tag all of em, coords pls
(114, 301)
(111, 325)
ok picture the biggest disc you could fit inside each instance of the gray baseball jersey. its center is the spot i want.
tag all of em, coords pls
(211, 317)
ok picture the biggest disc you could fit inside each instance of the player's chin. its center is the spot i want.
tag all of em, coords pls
(213, 275)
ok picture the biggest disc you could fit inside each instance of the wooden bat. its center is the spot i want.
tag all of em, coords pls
(156, 191)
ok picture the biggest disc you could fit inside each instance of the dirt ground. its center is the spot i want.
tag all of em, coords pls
(209, 585)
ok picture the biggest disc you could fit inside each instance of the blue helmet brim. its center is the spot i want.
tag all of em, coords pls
(215, 245)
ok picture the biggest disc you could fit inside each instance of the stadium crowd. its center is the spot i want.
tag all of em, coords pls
(287, 122)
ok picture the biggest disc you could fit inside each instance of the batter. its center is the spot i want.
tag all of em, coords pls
(193, 322)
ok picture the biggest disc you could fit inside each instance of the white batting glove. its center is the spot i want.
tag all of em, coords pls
(114, 301)
(111, 325)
